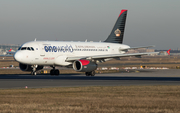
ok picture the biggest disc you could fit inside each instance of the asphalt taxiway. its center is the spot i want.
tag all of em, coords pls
(141, 77)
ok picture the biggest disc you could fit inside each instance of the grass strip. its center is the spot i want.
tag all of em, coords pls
(116, 99)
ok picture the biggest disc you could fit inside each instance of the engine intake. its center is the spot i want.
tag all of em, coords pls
(84, 66)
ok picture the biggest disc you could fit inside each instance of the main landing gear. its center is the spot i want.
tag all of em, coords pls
(92, 73)
(54, 72)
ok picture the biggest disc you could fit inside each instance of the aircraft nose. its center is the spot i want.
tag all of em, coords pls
(18, 56)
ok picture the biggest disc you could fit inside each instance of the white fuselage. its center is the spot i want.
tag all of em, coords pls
(56, 52)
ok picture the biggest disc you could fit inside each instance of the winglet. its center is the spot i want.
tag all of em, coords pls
(169, 51)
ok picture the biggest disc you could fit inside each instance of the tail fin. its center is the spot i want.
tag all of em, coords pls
(117, 33)
(10, 50)
(169, 51)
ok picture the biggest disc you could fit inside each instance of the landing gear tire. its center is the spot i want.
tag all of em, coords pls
(33, 73)
(92, 73)
(54, 72)
(87, 74)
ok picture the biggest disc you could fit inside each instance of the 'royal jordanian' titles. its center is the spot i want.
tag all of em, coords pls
(81, 56)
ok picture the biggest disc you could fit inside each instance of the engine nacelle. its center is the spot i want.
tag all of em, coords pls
(25, 67)
(84, 66)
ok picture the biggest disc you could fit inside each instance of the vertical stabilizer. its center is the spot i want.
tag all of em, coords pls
(169, 51)
(117, 33)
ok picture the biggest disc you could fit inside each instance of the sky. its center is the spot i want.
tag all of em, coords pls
(152, 22)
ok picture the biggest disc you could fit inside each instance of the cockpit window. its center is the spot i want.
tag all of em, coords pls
(32, 48)
(26, 48)
(23, 48)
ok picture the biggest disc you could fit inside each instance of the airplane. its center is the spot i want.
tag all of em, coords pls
(81, 56)
(10, 52)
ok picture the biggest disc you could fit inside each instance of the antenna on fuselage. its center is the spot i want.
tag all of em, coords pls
(86, 40)
(35, 39)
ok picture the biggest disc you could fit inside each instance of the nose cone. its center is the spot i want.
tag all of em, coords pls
(18, 56)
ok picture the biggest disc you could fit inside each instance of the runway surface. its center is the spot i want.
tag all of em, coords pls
(144, 77)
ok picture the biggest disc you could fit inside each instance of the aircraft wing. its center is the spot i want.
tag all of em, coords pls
(136, 48)
(70, 59)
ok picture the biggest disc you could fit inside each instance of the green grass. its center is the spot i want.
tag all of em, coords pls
(136, 99)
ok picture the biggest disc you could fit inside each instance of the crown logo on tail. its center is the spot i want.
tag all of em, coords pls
(117, 33)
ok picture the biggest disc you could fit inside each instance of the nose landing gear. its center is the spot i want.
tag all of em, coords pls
(33, 72)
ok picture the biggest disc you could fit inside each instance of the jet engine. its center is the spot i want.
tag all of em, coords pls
(25, 67)
(84, 65)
